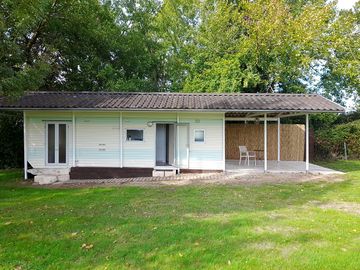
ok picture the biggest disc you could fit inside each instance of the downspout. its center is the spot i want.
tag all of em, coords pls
(25, 146)
(73, 140)
(307, 142)
(265, 143)
(177, 141)
(121, 140)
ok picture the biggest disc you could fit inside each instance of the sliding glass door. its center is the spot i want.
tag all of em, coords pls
(56, 143)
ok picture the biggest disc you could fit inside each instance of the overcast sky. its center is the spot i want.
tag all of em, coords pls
(346, 4)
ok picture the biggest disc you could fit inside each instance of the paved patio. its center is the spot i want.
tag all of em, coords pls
(288, 171)
(275, 167)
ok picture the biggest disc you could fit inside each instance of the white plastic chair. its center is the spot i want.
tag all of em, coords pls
(244, 153)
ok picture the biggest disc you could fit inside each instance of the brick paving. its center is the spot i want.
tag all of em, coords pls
(179, 177)
(204, 178)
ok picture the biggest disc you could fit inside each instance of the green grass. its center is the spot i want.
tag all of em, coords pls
(8, 176)
(281, 226)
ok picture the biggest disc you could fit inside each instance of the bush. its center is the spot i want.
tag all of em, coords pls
(11, 134)
(329, 142)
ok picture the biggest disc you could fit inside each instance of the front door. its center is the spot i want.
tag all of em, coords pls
(165, 144)
(161, 145)
(183, 146)
(57, 143)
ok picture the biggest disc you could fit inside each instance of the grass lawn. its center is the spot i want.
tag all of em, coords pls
(283, 226)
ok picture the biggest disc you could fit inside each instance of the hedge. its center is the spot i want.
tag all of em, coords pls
(11, 134)
(329, 143)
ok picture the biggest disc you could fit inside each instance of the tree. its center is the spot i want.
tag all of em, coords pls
(260, 46)
(137, 59)
(76, 45)
(179, 45)
(48, 42)
(11, 134)
(340, 76)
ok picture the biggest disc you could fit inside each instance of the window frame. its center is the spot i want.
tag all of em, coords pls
(137, 129)
(67, 147)
(203, 131)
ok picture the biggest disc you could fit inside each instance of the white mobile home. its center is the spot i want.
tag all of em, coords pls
(92, 134)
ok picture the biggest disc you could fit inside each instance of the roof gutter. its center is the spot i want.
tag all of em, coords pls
(172, 110)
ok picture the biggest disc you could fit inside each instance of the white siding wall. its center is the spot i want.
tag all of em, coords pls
(36, 136)
(97, 138)
(209, 154)
(142, 154)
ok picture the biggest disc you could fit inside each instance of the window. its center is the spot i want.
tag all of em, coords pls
(51, 143)
(135, 135)
(199, 135)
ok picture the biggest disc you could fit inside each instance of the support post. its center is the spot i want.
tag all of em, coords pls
(278, 140)
(307, 142)
(177, 141)
(25, 147)
(121, 140)
(265, 143)
(73, 140)
(188, 147)
(224, 144)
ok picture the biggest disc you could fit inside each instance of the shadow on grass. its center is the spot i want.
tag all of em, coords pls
(10, 175)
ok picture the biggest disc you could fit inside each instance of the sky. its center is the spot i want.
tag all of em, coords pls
(345, 4)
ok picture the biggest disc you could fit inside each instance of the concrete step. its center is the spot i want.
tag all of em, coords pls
(49, 171)
(45, 176)
(44, 179)
(63, 177)
(163, 173)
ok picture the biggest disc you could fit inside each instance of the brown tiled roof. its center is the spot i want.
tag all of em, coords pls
(173, 101)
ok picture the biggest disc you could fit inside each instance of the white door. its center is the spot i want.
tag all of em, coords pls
(183, 146)
(57, 141)
(161, 145)
(172, 144)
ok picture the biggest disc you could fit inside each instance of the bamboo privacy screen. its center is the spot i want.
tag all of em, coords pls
(292, 140)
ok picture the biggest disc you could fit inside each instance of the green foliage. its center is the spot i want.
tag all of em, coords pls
(11, 134)
(260, 46)
(9, 176)
(179, 45)
(341, 72)
(76, 45)
(323, 121)
(330, 141)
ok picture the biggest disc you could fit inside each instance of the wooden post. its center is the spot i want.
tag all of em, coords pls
(25, 146)
(265, 143)
(121, 140)
(278, 140)
(224, 144)
(345, 151)
(307, 142)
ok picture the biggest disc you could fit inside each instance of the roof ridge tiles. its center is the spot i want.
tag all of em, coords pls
(170, 93)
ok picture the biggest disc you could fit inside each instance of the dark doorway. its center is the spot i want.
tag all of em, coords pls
(165, 134)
